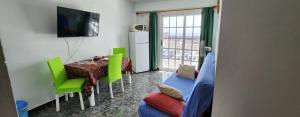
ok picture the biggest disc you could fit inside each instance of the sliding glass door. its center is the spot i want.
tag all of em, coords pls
(180, 39)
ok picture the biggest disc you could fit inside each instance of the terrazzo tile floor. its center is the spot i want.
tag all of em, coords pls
(124, 104)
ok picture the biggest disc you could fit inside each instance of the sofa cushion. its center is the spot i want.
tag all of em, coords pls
(170, 91)
(207, 74)
(182, 84)
(196, 73)
(185, 86)
(165, 103)
(186, 71)
(145, 110)
(202, 92)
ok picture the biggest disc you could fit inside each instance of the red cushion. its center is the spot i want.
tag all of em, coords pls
(164, 103)
(196, 73)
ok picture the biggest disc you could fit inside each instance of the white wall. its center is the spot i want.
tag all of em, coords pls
(28, 35)
(258, 60)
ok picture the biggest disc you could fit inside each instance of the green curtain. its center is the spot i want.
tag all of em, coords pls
(153, 38)
(207, 29)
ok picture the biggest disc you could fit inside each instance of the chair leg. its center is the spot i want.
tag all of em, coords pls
(110, 90)
(122, 85)
(57, 102)
(66, 97)
(92, 98)
(81, 101)
(97, 87)
(129, 76)
(71, 95)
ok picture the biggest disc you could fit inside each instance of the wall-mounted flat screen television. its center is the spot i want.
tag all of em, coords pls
(76, 23)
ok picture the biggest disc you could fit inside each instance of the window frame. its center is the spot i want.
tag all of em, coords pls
(160, 35)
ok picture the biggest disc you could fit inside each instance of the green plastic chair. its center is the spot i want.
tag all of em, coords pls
(120, 51)
(123, 52)
(62, 84)
(114, 72)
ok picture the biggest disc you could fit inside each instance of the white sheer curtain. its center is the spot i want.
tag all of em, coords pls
(143, 19)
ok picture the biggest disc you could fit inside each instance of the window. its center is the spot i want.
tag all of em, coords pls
(180, 40)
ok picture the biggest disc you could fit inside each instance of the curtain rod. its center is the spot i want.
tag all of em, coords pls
(143, 12)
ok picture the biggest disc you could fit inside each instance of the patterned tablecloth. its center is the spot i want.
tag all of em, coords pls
(93, 70)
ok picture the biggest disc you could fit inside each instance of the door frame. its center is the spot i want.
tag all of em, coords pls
(160, 31)
(7, 101)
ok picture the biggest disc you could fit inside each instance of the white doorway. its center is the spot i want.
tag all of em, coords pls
(179, 34)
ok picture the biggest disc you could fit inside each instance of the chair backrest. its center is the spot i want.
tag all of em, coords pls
(58, 71)
(120, 51)
(115, 67)
(202, 92)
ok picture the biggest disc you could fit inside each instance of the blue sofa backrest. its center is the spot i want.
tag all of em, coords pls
(202, 91)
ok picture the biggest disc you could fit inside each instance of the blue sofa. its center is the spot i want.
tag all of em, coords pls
(197, 94)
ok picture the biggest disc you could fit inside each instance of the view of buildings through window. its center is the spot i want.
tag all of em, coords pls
(181, 40)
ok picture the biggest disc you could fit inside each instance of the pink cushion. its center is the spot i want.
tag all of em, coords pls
(166, 104)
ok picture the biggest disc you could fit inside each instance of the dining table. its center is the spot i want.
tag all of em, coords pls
(93, 70)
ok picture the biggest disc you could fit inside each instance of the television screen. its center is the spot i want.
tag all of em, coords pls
(76, 23)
